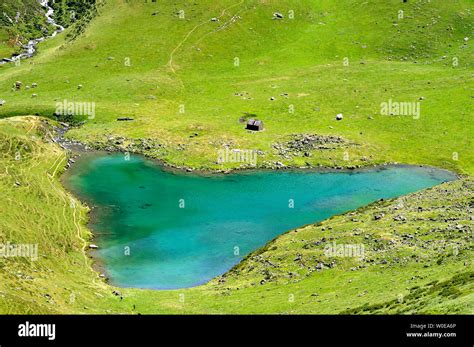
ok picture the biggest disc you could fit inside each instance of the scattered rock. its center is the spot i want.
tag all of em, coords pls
(279, 164)
(2, 102)
(379, 216)
(400, 218)
(303, 144)
(92, 246)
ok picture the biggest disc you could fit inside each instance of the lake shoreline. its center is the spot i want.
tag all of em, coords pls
(77, 148)
(94, 215)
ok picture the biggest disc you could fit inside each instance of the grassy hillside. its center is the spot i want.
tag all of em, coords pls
(186, 82)
(75, 14)
(37, 210)
(68, 12)
(177, 79)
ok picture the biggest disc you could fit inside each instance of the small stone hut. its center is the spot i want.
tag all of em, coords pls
(255, 125)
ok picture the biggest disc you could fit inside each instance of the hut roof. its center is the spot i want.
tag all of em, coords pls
(254, 122)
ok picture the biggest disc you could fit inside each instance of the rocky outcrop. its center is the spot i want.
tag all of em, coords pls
(303, 144)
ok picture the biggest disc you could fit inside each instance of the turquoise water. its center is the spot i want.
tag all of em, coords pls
(181, 229)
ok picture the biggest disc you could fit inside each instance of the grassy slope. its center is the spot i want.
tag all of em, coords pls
(302, 57)
(274, 58)
(38, 211)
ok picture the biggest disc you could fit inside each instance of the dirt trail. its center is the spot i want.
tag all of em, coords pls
(170, 62)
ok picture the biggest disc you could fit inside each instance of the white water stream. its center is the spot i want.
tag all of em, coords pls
(30, 47)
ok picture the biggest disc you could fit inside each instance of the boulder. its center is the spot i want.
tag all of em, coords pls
(379, 216)
(339, 116)
(279, 164)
